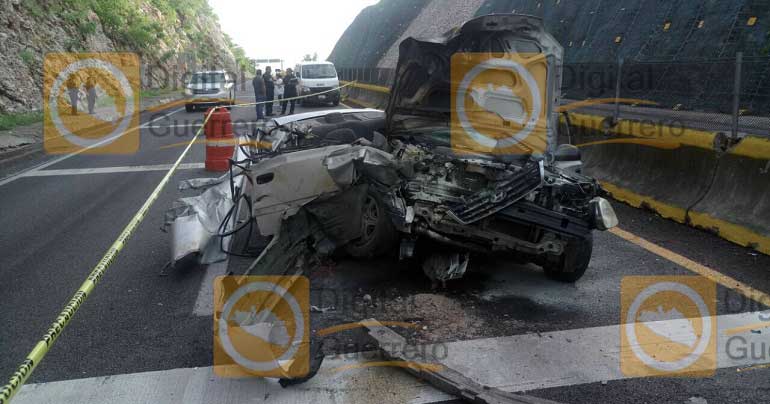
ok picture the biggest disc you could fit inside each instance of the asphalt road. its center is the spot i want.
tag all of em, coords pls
(57, 225)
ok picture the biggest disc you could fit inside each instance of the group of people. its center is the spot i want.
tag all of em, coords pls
(269, 87)
(73, 90)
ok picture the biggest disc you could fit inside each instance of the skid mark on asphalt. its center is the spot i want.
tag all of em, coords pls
(693, 266)
(553, 359)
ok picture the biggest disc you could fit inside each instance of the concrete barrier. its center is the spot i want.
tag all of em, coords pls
(737, 205)
(687, 175)
(366, 95)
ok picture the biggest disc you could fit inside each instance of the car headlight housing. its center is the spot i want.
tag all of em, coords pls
(604, 215)
(304, 89)
(188, 91)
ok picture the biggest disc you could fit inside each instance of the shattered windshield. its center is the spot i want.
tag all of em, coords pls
(207, 78)
(318, 71)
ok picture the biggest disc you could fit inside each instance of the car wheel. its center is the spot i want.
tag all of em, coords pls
(378, 235)
(336, 102)
(189, 108)
(572, 264)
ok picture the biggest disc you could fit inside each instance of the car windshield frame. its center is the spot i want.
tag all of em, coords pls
(319, 71)
(208, 78)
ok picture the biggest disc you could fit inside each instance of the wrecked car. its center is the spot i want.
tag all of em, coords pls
(375, 182)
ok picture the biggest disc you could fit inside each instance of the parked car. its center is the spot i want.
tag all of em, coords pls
(209, 88)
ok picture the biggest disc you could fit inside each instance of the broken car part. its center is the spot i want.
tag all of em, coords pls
(429, 369)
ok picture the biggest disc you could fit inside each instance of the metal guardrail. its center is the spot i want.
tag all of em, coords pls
(729, 95)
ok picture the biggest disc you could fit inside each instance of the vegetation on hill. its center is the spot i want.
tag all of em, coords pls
(134, 26)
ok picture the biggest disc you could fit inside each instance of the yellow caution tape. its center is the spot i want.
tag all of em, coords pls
(42, 347)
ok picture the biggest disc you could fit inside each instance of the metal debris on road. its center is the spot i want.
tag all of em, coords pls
(445, 379)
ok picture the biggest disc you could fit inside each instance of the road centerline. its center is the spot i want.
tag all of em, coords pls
(700, 269)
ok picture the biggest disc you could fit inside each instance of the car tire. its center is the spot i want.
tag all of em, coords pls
(572, 264)
(336, 102)
(378, 233)
(189, 108)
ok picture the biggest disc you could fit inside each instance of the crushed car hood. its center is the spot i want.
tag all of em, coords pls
(420, 100)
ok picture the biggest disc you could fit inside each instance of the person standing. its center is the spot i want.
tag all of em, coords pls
(259, 93)
(269, 91)
(290, 83)
(91, 93)
(73, 90)
(278, 88)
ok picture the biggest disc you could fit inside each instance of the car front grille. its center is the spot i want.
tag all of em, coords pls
(314, 90)
(498, 196)
(206, 91)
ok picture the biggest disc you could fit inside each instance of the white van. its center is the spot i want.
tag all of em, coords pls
(317, 77)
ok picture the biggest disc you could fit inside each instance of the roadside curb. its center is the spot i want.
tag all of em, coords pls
(729, 231)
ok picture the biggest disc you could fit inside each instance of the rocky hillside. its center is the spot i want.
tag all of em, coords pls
(373, 31)
(590, 30)
(170, 36)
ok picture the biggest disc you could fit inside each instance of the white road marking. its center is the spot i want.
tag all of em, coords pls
(110, 170)
(204, 303)
(512, 363)
(57, 160)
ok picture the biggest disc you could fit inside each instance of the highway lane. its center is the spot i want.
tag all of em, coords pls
(57, 227)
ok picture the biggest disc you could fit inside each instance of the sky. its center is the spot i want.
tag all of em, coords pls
(287, 29)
